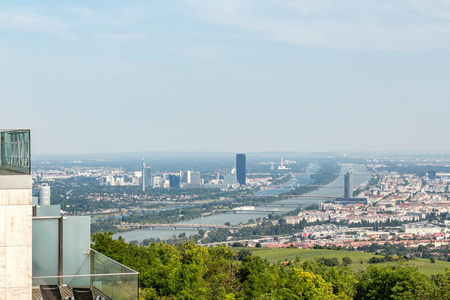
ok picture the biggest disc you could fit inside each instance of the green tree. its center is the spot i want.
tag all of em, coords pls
(343, 280)
(346, 261)
(299, 284)
(441, 285)
(386, 282)
(260, 280)
(242, 254)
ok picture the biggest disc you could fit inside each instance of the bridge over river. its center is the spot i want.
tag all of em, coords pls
(253, 211)
(176, 226)
(289, 196)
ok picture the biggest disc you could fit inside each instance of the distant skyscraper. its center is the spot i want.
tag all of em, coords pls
(44, 195)
(174, 181)
(432, 175)
(184, 176)
(348, 184)
(241, 173)
(194, 177)
(143, 172)
(147, 176)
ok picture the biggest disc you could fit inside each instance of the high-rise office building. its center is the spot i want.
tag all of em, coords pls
(143, 172)
(348, 184)
(174, 181)
(432, 175)
(147, 176)
(184, 176)
(241, 173)
(194, 177)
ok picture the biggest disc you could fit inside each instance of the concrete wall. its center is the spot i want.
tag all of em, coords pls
(15, 237)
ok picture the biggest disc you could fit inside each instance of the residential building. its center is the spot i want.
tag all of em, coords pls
(44, 194)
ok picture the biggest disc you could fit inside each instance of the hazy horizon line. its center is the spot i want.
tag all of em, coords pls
(335, 152)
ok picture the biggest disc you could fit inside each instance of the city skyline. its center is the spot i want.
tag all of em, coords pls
(192, 76)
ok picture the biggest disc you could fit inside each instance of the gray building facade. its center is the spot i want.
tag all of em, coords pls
(241, 172)
(348, 184)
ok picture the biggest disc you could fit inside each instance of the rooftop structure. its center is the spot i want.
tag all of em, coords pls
(15, 152)
(15, 215)
(62, 256)
(38, 246)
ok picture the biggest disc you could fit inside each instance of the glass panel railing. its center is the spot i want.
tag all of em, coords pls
(15, 152)
(120, 287)
(106, 277)
(107, 286)
(45, 247)
(102, 264)
(76, 243)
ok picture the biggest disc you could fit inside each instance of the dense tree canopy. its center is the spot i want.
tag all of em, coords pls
(188, 271)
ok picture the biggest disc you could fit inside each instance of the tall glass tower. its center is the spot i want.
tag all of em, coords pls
(348, 184)
(241, 173)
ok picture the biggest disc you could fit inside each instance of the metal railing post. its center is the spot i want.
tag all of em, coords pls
(91, 259)
(60, 252)
(2, 149)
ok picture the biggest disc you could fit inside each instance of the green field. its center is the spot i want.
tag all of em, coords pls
(275, 255)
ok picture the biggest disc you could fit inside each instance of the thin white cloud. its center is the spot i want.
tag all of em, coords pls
(30, 20)
(432, 9)
(73, 23)
(352, 24)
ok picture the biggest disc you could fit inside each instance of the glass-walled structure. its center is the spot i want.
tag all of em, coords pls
(62, 256)
(15, 152)
(15, 214)
(106, 277)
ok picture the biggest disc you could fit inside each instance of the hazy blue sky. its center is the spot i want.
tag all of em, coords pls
(237, 76)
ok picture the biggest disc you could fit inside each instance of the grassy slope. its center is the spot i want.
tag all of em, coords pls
(274, 255)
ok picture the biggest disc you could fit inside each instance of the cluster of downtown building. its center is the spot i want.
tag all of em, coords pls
(400, 203)
(146, 178)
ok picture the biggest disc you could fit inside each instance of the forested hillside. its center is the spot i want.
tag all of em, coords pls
(188, 271)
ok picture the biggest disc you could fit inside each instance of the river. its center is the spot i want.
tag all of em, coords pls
(334, 189)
